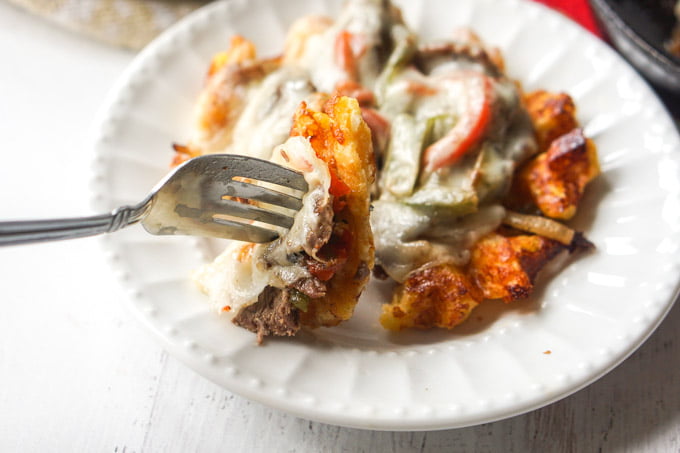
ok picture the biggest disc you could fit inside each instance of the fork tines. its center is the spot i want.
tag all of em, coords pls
(257, 190)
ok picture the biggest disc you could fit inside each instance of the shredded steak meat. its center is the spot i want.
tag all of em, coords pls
(272, 314)
(310, 286)
(319, 236)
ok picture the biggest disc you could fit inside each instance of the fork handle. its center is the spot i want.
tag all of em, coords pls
(28, 231)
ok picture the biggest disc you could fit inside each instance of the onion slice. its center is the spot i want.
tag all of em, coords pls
(542, 226)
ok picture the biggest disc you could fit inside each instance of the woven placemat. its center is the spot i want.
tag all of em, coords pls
(127, 23)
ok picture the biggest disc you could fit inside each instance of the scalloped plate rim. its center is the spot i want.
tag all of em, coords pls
(192, 360)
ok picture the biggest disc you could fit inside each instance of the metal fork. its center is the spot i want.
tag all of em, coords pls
(205, 196)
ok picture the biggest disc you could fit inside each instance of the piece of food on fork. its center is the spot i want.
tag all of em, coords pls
(312, 275)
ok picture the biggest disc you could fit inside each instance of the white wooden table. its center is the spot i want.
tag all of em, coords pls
(77, 373)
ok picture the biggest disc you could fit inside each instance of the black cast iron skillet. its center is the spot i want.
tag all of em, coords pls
(639, 29)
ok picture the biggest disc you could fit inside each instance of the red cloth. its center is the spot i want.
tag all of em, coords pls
(578, 10)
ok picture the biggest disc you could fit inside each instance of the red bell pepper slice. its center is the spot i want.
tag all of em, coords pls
(468, 130)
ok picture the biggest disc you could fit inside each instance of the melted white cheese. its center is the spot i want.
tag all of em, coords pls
(298, 153)
(407, 238)
(365, 20)
(268, 116)
(229, 281)
(450, 209)
(236, 278)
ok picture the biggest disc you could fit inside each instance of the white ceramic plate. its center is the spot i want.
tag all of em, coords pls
(506, 360)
